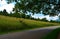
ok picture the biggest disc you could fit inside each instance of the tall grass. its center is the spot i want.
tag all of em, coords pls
(12, 23)
(33, 23)
(9, 23)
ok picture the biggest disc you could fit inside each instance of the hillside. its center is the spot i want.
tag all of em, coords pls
(8, 24)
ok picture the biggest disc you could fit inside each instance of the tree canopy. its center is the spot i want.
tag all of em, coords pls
(48, 7)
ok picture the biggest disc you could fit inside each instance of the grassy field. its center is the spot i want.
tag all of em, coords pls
(8, 24)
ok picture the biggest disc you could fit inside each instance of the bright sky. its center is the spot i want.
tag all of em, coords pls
(4, 5)
(47, 16)
(9, 8)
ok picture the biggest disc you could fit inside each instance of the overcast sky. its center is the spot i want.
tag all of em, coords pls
(9, 8)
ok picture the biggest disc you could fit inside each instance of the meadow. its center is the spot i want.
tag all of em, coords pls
(8, 24)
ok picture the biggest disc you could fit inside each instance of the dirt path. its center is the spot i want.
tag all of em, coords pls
(29, 34)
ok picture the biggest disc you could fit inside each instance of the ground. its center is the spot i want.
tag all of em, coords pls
(29, 34)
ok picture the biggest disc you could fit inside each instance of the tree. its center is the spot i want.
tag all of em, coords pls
(28, 16)
(1, 13)
(16, 15)
(35, 6)
(44, 19)
(5, 12)
(23, 15)
(11, 14)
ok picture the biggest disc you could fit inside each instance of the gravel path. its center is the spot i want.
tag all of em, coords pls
(29, 34)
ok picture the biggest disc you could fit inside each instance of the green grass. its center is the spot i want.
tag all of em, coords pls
(53, 35)
(8, 24)
(33, 23)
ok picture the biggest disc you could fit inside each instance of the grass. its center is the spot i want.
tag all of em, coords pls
(33, 23)
(53, 35)
(8, 24)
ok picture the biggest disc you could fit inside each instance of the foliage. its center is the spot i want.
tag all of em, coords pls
(28, 16)
(36, 6)
(16, 14)
(44, 19)
(1, 13)
(4, 12)
(52, 21)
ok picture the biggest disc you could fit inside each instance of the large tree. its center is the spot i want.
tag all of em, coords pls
(4, 12)
(48, 7)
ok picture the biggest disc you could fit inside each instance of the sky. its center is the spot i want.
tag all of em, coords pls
(9, 8)
(47, 16)
(4, 5)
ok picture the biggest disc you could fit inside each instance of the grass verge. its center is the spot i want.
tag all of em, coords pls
(12, 24)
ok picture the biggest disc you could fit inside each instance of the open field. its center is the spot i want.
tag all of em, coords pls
(8, 24)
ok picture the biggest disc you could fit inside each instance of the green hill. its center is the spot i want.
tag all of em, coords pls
(8, 24)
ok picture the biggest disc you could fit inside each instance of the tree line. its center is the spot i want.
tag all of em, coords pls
(48, 7)
(18, 15)
(23, 15)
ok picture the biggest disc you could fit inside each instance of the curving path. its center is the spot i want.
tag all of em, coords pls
(29, 34)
